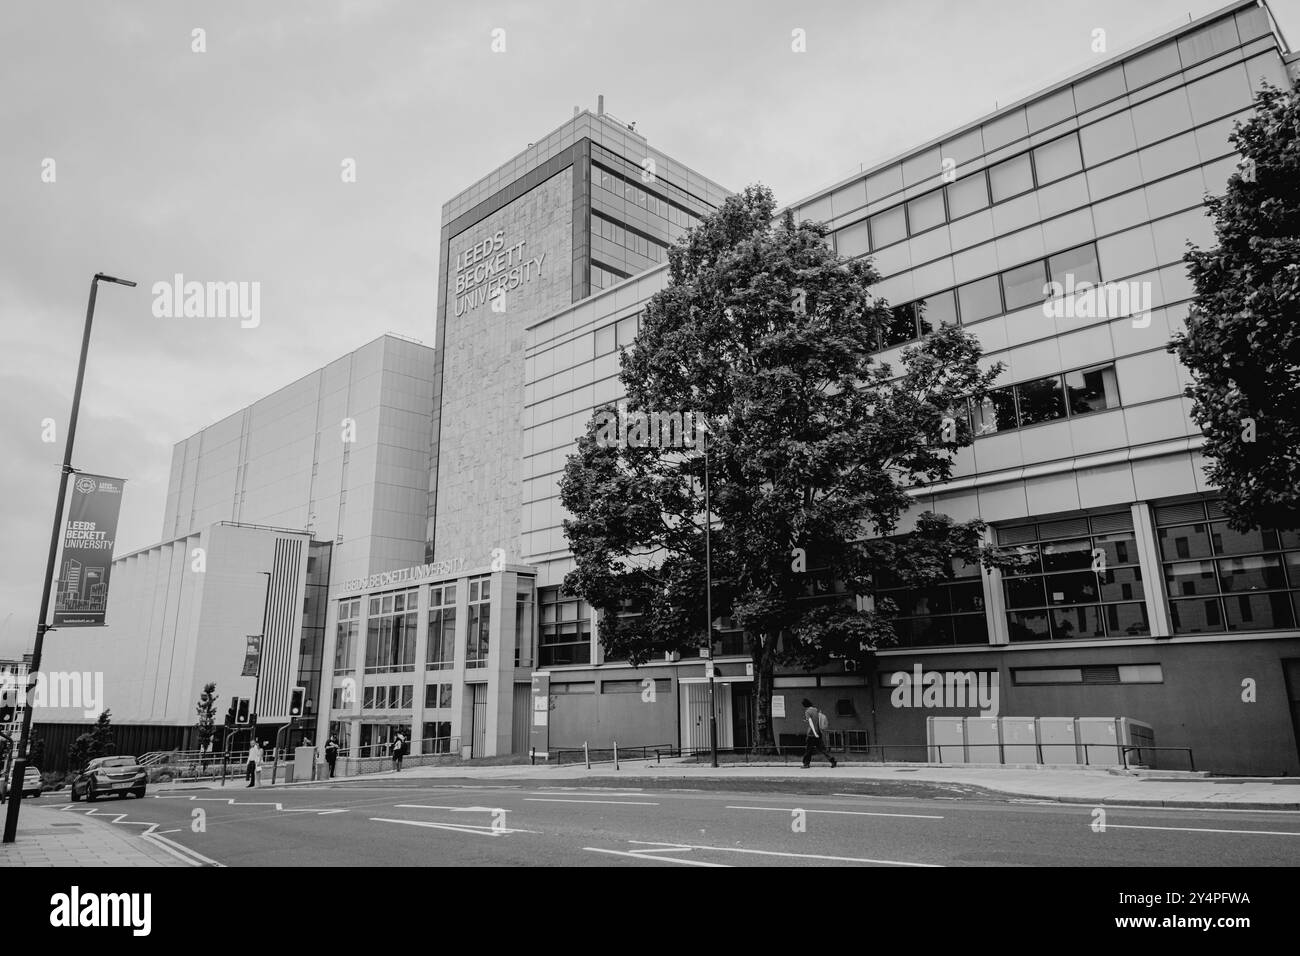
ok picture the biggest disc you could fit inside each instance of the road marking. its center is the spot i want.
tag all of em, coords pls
(427, 806)
(257, 803)
(455, 827)
(1121, 826)
(192, 857)
(646, 855)
(799, 856)
(872, 796)
(851, 813)
(617, 803)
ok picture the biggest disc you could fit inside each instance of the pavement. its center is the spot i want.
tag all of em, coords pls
(1094, 786)
(49, 837)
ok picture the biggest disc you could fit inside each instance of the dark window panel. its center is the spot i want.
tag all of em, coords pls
(1041, 400)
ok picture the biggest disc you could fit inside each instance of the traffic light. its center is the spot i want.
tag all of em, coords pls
(241, 711)
(6, 706)
(252, 720)
(230, 715)
(296, 698)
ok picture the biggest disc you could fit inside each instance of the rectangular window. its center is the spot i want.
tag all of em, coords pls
(937, 310)
(996, 413)
(901, 327)
(1011, 178)
(1080, 579)
(391, 633)
(1040, 400)
(926, 212)
(1222, 580)
(604, 337)
(853, 241)
(1023, 285)
(524, 624)
(979, 299)
(346, 631)
(968, 194)
(888, 227)
(1058, 159)
(564, 634)
(1074, 266)
(637, 686)
(368, 699)
(437, 737)
(626, 331)
(478, 622)
(949, 612)
(441, 653)
(1091, 389)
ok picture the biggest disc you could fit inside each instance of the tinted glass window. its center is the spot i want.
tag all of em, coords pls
(939, 309)
(1081, 263)
(1023, 285)
(980, 299)
(926, 212)
(1040, 400)
(902, 326)
(852, 240)
(967, 195)
(886, 227)
(997, 413)
(1011, 178)
(1091, 389)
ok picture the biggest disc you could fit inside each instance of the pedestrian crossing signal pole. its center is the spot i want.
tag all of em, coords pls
(20, 748)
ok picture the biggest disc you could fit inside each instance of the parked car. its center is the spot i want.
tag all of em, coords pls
(31, 783)
(109, 775)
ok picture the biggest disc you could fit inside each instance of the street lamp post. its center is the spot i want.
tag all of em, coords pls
(20, 756)
(708, 602)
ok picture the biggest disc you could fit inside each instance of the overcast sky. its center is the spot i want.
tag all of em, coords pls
(225, 166)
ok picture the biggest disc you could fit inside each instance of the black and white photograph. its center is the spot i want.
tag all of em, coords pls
(610, 436)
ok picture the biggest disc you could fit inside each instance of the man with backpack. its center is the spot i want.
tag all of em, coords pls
(399, 750)
(331, 753)
(817, 728)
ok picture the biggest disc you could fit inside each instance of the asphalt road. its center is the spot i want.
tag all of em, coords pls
(504, 823)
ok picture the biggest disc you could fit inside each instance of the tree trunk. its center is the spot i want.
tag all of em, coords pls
(764, 738)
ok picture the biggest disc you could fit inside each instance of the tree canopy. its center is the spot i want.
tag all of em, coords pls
(1242, 342)
(770, 338)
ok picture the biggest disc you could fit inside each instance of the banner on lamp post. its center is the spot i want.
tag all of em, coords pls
(82, 597)
(253, 656)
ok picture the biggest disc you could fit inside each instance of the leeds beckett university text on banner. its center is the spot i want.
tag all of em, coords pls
(82, 594)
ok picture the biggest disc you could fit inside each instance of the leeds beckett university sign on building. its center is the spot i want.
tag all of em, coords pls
(490, 268)
(404, 576)
(88, 551)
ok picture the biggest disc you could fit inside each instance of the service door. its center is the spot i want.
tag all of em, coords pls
(695, 715)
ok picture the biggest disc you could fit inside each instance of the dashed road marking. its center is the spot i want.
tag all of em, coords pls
(850, 813)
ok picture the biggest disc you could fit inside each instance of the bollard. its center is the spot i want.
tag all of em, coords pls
(587, 754)
(616, 755)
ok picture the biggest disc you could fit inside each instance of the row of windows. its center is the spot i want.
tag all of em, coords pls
(625, 189)
(993, 295)
(1046, 399)
(602, 277)
(676, 194)
(975, 191)
(1219, 579)
(390, 697)
(620, 335)
(1050, 161)
(437, 696)
(564, 632)
(640, 685)
(652, 249)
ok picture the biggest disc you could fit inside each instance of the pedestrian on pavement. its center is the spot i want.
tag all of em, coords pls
(331, 753)
(254, 763)
(815, 739)
(399, 749)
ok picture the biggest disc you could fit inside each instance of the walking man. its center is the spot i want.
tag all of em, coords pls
(331, 753)
(399, 749)
(816, 734)
(254, 763)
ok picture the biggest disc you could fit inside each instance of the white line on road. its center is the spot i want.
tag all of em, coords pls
(798, 856)
(618, 803)
(851, 813)
(427, 806)
(644, 855)
(455, 827)
(256, 803)
(1122, 826)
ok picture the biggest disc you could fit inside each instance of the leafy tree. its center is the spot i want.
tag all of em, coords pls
(769, 335)
(1242, 342)
(97, 743)
(207, 712)
(36, 751)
